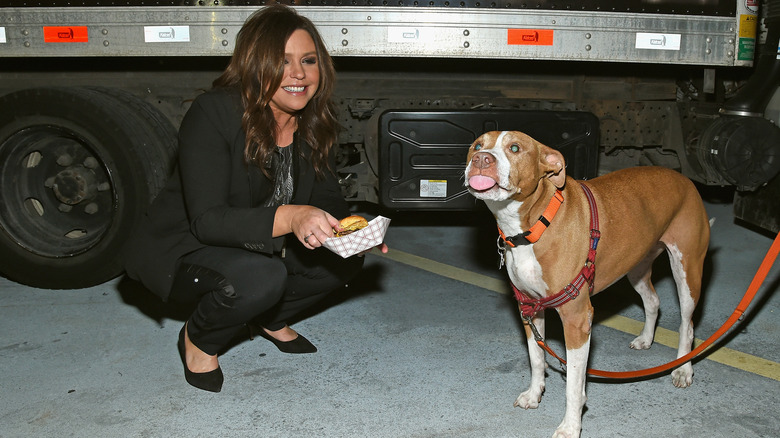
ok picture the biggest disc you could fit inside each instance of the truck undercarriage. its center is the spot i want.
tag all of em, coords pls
(88, 136)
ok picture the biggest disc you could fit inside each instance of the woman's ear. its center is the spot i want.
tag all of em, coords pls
(553, 166)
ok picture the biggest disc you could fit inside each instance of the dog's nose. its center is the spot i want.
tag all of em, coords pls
(482, 160)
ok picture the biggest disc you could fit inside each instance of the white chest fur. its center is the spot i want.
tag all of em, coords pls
(523, 268)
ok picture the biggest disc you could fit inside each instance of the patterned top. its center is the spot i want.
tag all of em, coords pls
(281, 163)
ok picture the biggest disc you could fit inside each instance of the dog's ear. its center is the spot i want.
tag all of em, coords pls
(553, 166)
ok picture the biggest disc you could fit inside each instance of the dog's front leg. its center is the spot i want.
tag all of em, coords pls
(576, 329)
(531, 397)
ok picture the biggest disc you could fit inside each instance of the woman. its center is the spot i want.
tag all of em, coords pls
(239, 228)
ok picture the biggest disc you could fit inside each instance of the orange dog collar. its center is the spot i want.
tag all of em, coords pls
(535, 232)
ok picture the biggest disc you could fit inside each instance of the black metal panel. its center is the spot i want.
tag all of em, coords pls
(684, 7)
(422, 154)
(761, 207)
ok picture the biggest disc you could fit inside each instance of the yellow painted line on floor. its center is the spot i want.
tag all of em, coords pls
(497, 285)
(726, 356)
(723, 355)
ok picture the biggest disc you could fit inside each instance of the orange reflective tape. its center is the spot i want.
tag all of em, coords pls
(65, 34)
(530, 37)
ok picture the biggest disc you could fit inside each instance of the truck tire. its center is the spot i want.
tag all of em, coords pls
(78, 167)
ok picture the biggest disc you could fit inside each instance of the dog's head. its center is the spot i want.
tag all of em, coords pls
(510, 164)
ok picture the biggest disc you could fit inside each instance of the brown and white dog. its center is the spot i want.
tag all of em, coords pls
(642, 212)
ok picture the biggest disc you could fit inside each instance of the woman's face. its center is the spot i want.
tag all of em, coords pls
(301, 75)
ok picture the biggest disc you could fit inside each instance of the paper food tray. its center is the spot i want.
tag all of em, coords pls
(360, 240)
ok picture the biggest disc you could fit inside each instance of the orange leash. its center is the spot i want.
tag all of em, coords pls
(758, 279)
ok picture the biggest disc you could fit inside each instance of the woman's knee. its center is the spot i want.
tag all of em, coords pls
(257, 286)
(233, 277)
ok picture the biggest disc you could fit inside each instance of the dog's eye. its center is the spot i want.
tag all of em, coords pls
(514, 147)
(477, 146)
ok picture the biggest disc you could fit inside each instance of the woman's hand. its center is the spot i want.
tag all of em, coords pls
(310, 225)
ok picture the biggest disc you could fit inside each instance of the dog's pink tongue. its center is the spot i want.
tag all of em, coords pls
(480, 182)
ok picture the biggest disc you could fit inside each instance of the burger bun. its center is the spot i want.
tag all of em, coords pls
(350, 224)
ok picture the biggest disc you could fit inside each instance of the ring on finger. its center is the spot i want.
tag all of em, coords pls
(306, 239)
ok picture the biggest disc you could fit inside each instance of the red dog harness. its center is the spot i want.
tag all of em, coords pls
(529, 306)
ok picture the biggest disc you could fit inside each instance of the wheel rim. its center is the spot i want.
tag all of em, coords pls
(58, 198)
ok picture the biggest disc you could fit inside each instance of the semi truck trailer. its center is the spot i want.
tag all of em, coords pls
(92, 93)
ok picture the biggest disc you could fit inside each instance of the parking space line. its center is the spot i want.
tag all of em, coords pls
(726, 356)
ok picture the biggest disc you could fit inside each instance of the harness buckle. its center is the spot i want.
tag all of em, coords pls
(595, 235)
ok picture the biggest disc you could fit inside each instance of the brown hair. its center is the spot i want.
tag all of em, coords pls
(257, 68)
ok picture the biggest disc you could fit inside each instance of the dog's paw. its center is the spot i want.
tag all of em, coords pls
(529, 399)
(567, 432)
(683, 377)
(641, 343)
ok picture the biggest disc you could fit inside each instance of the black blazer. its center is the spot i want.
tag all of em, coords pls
(214, 198)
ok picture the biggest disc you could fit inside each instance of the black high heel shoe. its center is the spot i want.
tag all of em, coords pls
(208, 381)
(299, 345)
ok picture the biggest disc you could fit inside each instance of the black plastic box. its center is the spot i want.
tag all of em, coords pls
(422, 154)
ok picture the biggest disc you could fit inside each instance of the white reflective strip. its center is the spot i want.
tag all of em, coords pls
(658, 41)
(409, 35)
(166, 34)
(2, 35)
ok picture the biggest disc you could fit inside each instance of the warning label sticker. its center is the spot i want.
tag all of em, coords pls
(747, 26)
(433, 188)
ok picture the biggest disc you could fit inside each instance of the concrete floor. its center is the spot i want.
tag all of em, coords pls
(426, 343)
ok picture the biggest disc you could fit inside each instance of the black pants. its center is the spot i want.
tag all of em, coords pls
(233, 286)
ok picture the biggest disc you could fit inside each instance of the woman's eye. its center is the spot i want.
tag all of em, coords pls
(514, 148)
(477, 147)
(312, 60)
